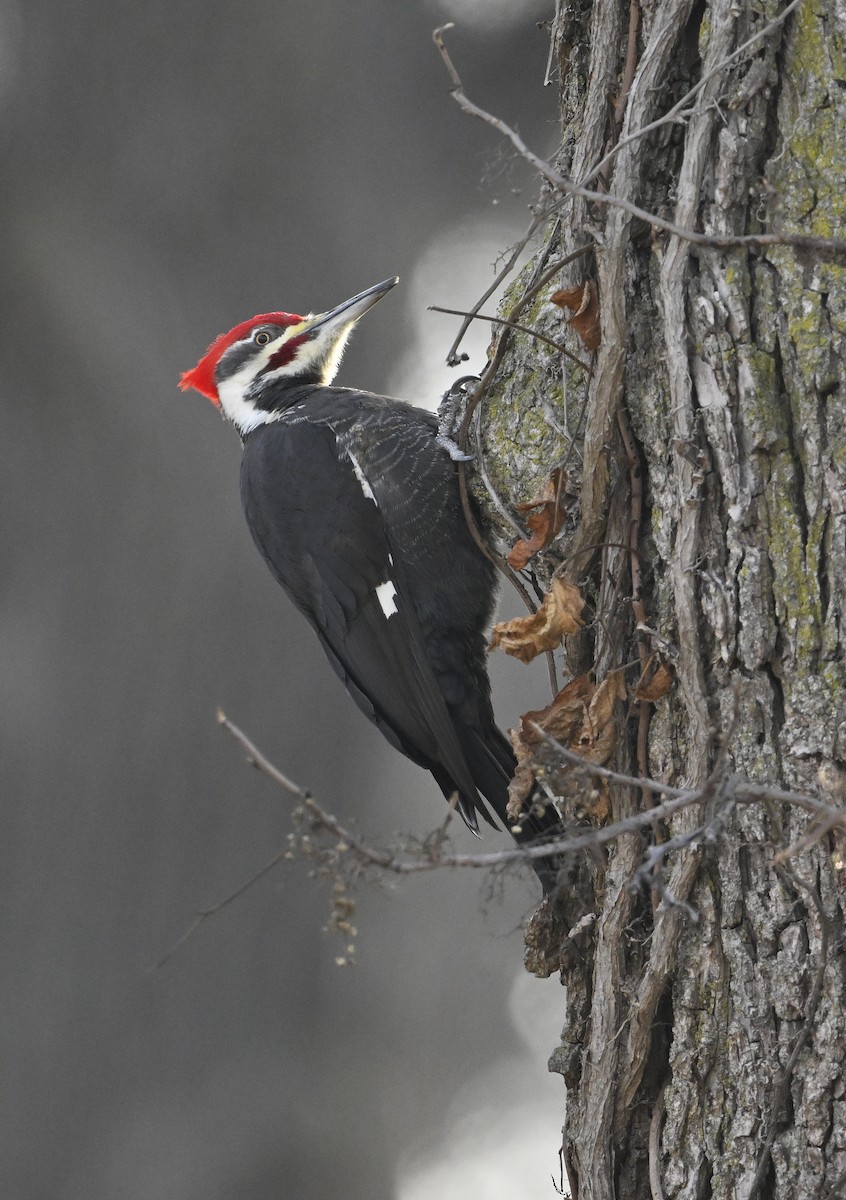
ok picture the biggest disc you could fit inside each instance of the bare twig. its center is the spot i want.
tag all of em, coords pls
(826, 249)
(754, 793)
(533, 333)
(386, 860)
(481, 467)
(650, 874)
(539, 284)
(679, 110)
(365, 853)
(816, 832)
(543, 273)
(256, 759)
(435, 858)
(553, 33)
(453, 358)
(655, 1186)
(631, 63)
(204, 913)
(744, 792)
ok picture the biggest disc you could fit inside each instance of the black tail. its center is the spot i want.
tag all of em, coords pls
(492, 765)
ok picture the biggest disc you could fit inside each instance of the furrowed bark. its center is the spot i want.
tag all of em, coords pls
(704, 1055)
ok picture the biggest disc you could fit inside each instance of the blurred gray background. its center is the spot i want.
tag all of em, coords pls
(168, 169)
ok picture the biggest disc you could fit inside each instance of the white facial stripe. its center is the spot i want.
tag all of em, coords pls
(386, 595)
(359, 474)
(233, 392)
(235, 406)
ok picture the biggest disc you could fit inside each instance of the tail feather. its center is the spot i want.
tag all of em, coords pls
(492, 765)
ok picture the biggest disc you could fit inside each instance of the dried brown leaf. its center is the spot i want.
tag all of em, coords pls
(655, 682)
(545, 518)
(597, 737)
(522, 781)
(527, 637)
(581, 718)
(584, 302)
(559, 719)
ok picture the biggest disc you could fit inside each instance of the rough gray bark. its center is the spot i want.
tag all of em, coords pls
(703, 1058)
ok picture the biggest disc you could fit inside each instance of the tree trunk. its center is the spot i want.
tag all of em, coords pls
(704, 1042)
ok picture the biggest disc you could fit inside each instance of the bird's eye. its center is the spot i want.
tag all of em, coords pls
(261, 338)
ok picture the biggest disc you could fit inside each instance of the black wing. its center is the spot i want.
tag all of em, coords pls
(316, 521)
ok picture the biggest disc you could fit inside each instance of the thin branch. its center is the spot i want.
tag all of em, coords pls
(679, 111)
(256, 759)
(386, 860)
(553, 34)
(655, 1186)
(457, 90)
(650, 872)
(754, 793)
(827, 249)
(366, 853)
(473, 402)
(453, 358)
(631, 63)
(533, 333)
(817, 831)
(204, 913)
(481, 466)
(548, 274)
(746, 793)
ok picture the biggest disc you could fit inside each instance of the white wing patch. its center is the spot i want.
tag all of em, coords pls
(359, 474)
(386, 594)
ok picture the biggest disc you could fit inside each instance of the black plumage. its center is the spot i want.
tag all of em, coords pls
(417, 672)
(345, 493)
(353, 500)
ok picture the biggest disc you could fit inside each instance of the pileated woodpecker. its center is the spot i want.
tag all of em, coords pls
(353, 501)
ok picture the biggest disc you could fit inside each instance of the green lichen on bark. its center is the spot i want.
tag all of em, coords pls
(806, 176)
(792, 553)
(807, 179)
(526, 411)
